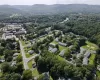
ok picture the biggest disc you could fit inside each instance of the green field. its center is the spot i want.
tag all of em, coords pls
(62, 47)
(30, 63)
(35, 72)
(60, 58)
(28, 55)
(90, 46)
(92, 59)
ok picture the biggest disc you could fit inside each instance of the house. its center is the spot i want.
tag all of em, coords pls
(62, 44)
(82, 50)
(15, 54)
(53, 50)
(9, 37)
(35, 78)
(46, 76)
(29, 45)
(2, 60)
(52, 44)
(13, 63)
(57, 39)
(70, 47)
(62, 53)
(98, 67)
(20, 32)
(31, 52)
(86, 56)
(50, 48)
(85, 61)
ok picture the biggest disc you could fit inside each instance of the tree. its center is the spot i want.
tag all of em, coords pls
(41, 77)
(9, 58)
(12, 76)
(1, 50)
(5, 67)
(57, 46)
(15, 76)
(19, 58)
(19, 67)
(36, 59)
(8, 54)
(27, 75)
(68, 71)
(67, 53)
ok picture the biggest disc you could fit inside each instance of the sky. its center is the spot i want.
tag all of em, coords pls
(48, 2)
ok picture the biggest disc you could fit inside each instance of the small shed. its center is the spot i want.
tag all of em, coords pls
(15, 54)
(31, 52)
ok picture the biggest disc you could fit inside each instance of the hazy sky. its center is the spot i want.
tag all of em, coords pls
(31, 2)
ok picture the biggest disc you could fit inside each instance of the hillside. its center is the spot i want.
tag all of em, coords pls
(41, 9)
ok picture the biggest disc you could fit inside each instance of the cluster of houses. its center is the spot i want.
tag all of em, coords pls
(86, 55)
(12, 30)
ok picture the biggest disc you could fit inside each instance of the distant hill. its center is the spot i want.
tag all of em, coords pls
(41, 9)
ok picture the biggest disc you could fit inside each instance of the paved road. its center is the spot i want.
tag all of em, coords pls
(26, 60)
(24, 57)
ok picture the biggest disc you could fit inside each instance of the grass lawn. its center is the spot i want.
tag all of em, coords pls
(60, 58)
(54, 42)
(0, 74)
(30, 63)
(62, 47)
(91, 46)
(92, 59)
(2, 56)
(35, 72)
(98, 75)
(28, 55)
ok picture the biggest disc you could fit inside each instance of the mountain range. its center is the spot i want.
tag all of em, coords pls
(41, 9)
